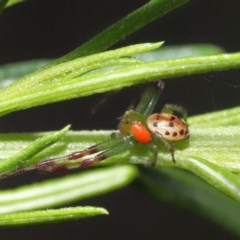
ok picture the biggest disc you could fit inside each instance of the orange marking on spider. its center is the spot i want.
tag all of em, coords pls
(140, 133)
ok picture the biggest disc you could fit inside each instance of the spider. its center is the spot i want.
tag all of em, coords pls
(136, 126)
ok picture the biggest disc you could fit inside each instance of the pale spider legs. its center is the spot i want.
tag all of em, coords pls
(117, 144)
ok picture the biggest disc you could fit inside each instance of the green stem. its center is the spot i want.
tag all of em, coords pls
(77, 66)
(228, 117)
(10, 164)
(115, 79)
(50, 216)
(190, 192)
(131, 23)
(215, 175)
(3, 3)
(62, 190)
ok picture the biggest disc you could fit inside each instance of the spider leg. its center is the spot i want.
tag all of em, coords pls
(118, 147)
(166, 144)
(172, 108)
(150, 98)
(78, 159)
(153, 161)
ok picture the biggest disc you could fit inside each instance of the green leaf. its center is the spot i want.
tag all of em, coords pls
(131, 23)
(13, 2)
(24, 157)
(67, 80)
(50, 216)
(75, 68)
(8, 3)
(190, 192)
(12, 71)
(63, 190)
(3, 3)
(228, 117)
(181, 51)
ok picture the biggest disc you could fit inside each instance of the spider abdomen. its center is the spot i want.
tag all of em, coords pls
(170, 127)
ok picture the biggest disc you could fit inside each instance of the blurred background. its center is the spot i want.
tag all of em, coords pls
(47, 29)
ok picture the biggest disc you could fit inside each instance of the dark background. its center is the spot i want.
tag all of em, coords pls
(48, 29)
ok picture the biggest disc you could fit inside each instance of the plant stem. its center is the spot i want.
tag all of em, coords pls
(131, 23)
(113, 79)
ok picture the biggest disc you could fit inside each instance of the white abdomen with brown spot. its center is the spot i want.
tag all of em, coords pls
(170, 127)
